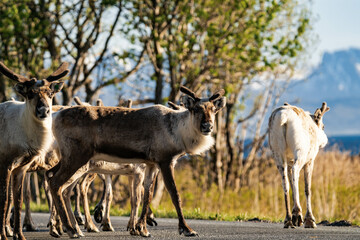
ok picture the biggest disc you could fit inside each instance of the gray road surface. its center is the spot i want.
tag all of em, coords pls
(167, 229)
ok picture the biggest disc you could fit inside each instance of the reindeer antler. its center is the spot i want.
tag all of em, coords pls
(129, 103)
(319, 113)
(217, 95)
(190, 93)
(10, 74)
(78, 101)
(99, 103)
(324, 108)
(173, 105)
(61, 72)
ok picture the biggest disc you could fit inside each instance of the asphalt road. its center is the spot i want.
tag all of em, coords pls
(167, 229)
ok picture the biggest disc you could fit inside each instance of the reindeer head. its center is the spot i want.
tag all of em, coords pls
(203, 110)
(38, 94)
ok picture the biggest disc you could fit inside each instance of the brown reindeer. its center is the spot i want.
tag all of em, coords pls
(155, 135)
(25, 135)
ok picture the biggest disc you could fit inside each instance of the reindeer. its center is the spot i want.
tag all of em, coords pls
(295, 138)
(25, 135)
(155, 135)
(136, 174)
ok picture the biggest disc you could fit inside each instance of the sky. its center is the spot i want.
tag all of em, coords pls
(337, 26)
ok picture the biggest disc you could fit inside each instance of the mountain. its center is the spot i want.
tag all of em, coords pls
(336, 80)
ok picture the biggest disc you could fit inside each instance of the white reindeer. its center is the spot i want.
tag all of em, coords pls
(295, 138)
(26, 134)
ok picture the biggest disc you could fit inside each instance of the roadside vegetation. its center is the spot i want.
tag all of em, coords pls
(335, 193)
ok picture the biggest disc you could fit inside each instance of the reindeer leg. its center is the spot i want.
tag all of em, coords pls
(77, 211)
(4, 188)
(8, 228)
(297, 218)
(99, 208)
(66, 194)
(84, 187)
(106, 223)
(18, 180)
(309, 217)
(136, 186)
(131, 223)
(282, 166)
(160, 186)
(55, 228)
(150, 219)
(150, 174)
(167, 171)
(28, 223)
(58, 176)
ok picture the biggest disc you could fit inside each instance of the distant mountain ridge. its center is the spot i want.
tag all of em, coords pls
(335, 80)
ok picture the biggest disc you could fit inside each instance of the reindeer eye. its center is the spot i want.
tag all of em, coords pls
(31, 94)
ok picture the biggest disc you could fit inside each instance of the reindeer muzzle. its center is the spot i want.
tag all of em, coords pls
(42, 110)
(206, 128)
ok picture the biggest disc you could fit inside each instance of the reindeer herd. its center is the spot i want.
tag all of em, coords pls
(79, 142)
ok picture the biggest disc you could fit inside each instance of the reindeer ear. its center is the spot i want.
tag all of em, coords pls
(188, 101)
(22, 89)
(220, 103)
(56, 86)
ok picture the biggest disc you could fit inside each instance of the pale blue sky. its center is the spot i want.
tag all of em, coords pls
(337, 25)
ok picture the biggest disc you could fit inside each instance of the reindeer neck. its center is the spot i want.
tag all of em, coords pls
(38, 132)
(189, 136)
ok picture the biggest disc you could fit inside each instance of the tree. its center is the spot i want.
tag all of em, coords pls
(22, 42)
(212, 44)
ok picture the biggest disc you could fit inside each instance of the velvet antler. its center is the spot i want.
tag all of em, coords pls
(10, 74)
(217, 95)
(319, 113)
(190, 93)
(61, 72)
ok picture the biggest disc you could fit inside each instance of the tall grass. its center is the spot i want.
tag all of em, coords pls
(335, 192)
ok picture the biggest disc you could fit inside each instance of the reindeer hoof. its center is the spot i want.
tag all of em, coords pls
(188, 232)
(134, 232)
(151, 221)
(297, 220)
(79, 220)
(309, 223)
(145, 234)
(141, 227)
(74, 236)
(288, 224)
(18, 236)
(98, 214)
(54, 233)
(92, 229)
(30, 227)
(59, 229)
(72, 233)
(107, 227)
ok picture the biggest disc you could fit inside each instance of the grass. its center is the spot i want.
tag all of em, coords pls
(335, 194)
